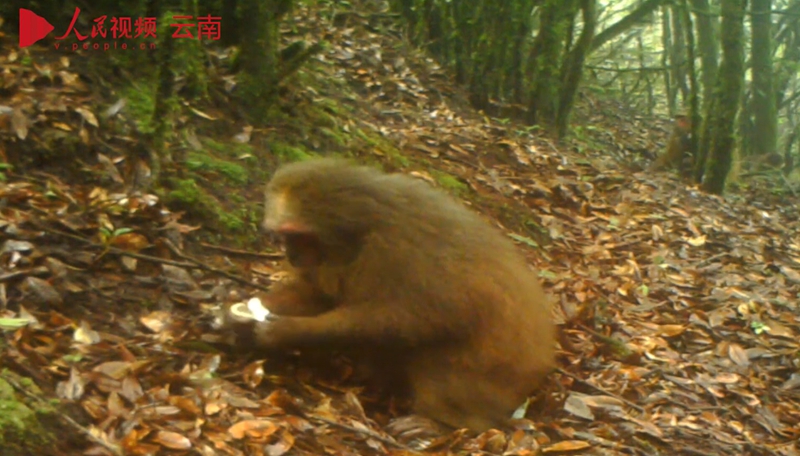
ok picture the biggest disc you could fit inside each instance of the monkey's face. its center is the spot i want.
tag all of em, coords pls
(280, 215)
(303, 250)
(281, 220)
(322, 214)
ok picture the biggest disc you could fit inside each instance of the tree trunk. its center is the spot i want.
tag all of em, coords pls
(677, 54)
(666, 44)
(727, 94)
(640, 14)
(549, 46)
(765, 132)
(707, 28)
(259, 54)
(694, 95)
(573, 68)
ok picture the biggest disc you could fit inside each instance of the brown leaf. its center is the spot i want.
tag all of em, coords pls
(73, 388)
(132, 242)
(114, 369)
(88, 116)
(253, 428)
(42, 291)
(186, 404)
(172, 440)
(670, 330)
(156, 321)
(738, 355)
(131, 389)
(178, 279)
(253, 373)
(110, 169)
(20, 122)
(775, 328)
(116, 407)
(576, 405)
(566, 445)
(84, 334)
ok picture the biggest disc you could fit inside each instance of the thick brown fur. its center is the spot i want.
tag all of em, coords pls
(678, 145)
(389, 266)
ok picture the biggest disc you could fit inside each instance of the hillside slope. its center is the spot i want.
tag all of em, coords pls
(678, 310)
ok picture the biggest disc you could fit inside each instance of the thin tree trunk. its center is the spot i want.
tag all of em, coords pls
(573, 69)
(707, 28)
(765, 131)
(727, 94)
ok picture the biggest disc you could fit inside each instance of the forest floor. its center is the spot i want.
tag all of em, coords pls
(678, 310)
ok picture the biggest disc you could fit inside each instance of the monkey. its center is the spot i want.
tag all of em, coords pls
(678, 144)
(390, 266)
(768, 161)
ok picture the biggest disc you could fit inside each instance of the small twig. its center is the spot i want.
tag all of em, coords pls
(266, 256)
(367, 432)
(37, 271)
(711, 259)
(295, 63)
(177, 252)
(595, 387)
(114, 449)
(190, 263)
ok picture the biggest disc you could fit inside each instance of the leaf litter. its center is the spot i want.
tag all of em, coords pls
(678, 310)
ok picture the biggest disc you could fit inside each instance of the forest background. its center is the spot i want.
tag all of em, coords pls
(676, 297)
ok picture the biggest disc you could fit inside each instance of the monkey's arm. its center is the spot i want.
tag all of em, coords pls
(370, 323)
(296, 297)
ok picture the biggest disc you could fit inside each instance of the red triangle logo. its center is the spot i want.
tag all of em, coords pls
(32, 27)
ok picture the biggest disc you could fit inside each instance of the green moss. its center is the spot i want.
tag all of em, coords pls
(198, 203)
(449, 182)
(238, 198)
(204, 163)
(289, 153)
(335, 108)
(186, 191)
(141, 105)
(401, 161)
(232, 222)
(321, 117)
(229, 149)
(532, 226)
(21, 429)
(3, 168)
(335, 135)
(383, 147)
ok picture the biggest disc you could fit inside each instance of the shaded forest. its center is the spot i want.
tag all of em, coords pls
(639, 155)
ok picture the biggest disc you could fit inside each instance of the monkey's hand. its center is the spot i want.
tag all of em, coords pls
(253, 325)
(274, 333)
(241, 319)
(296, 298)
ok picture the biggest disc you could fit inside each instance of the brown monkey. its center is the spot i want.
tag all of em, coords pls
(411, 277)
(678, 144)
(768, 161)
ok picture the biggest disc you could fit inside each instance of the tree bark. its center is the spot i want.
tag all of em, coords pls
(727, 95)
